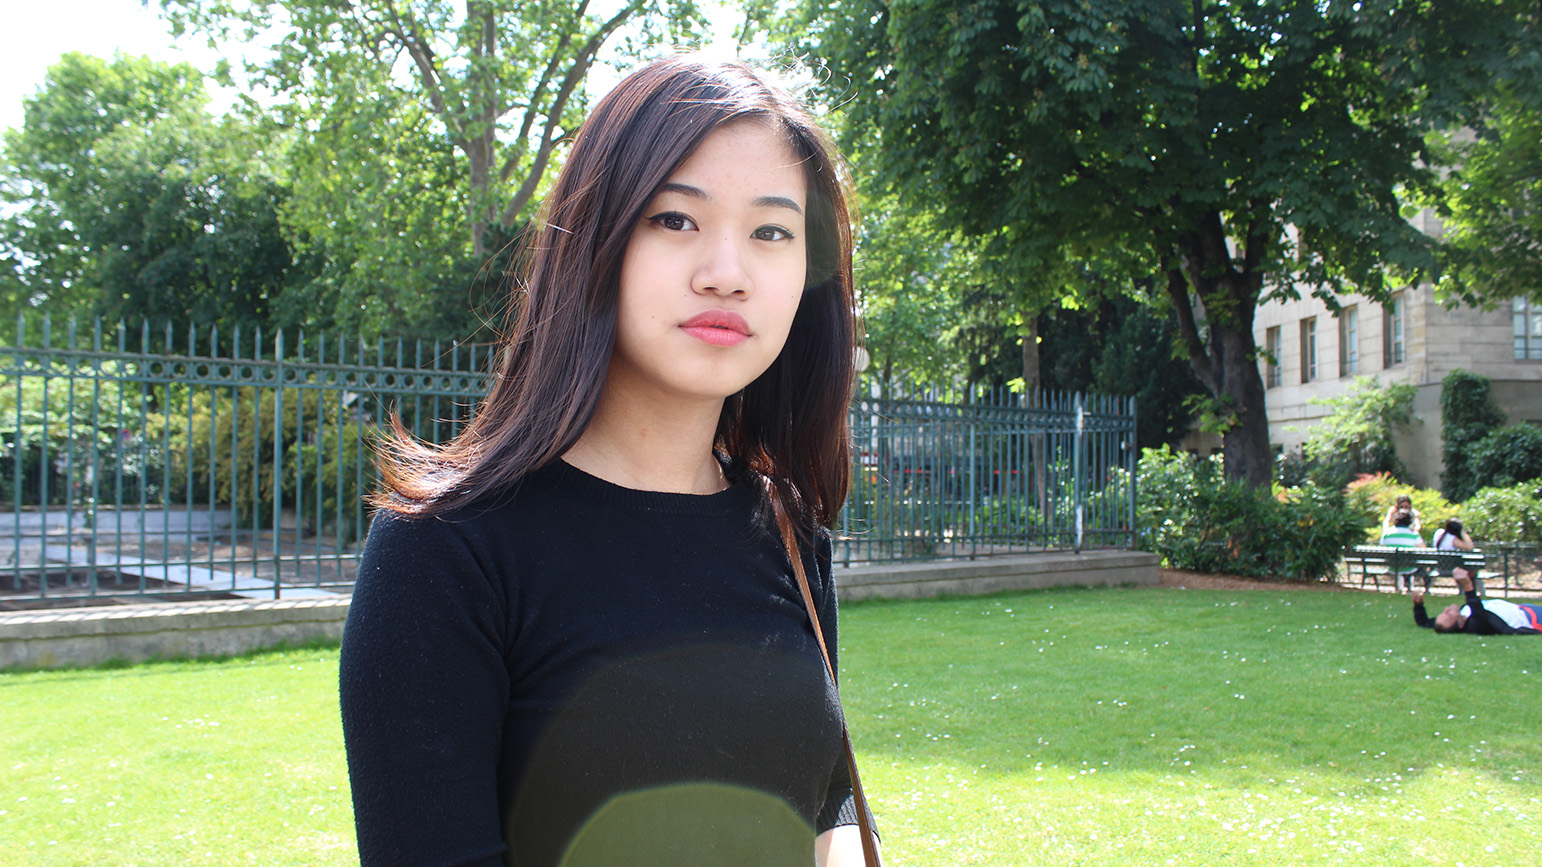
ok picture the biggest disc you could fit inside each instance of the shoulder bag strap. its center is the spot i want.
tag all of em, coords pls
(864, 818)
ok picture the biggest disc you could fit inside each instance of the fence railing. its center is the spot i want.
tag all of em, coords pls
(147, 462)
(998, 474)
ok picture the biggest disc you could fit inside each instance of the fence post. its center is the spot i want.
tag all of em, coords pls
(47, 365)
(1078, 456)
(1132, 463)
(278, 460)
(70, 447)
(17, 361)
(92, 503)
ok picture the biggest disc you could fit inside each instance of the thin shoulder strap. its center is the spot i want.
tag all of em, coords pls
(864, 818)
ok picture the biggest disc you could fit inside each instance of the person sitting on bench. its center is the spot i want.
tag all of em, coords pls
(1403, 535)
(1480, 616)
(1453, 537)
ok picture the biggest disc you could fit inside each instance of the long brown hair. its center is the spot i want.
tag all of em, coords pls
(788, 427)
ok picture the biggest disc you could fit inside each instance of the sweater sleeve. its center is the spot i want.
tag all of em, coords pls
(423, 690)
(1420, 617)
(840, 806)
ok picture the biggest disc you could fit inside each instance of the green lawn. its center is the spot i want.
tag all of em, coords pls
(1124, 726)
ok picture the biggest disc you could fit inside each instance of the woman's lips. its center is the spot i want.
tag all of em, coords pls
(717, 327)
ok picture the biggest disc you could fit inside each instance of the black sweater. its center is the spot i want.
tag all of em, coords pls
(508, 671)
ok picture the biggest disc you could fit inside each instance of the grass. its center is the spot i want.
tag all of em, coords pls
(1128, 726)
(220, 763)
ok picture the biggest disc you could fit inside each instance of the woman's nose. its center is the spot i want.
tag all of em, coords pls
(722, 269)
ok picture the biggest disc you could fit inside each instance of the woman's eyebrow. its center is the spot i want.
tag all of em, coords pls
(777, 202)
(759, 201)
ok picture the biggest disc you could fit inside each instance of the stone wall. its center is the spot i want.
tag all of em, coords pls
(133, 633)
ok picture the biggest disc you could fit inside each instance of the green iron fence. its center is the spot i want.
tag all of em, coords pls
(993, 474)
(152, 462)
(148, 462)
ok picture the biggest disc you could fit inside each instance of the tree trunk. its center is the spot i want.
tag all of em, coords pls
(1031, 359)
(1245, 444)
(478, 214)
(1038, 443)
(1204, 275)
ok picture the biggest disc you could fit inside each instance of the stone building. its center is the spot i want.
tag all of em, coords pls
(1411, 338)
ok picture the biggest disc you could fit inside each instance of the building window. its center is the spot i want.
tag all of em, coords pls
(1309, 349)
(1272, 363)
(1349, 341)
(1394, 319)
(1528, 329)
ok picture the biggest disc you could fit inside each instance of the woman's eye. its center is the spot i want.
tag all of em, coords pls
(771, 233)
(673, 221)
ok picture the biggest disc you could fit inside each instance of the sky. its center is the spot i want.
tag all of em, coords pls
(44, 30)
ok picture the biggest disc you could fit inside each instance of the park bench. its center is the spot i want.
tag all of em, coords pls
(1376, 560)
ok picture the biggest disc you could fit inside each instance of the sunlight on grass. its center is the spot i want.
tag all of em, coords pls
(233, 762)
(1064, 727)
(1171, 727)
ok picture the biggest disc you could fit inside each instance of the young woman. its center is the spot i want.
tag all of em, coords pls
(576, 636)
(1404, 504)
(1452, 537)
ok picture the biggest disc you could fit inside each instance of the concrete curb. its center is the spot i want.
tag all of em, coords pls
(55, 638)
(977, 577)
(133, 633)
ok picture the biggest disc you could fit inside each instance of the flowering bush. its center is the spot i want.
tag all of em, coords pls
(1370, 496)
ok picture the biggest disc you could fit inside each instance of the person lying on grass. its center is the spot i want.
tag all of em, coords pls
(1480, 616)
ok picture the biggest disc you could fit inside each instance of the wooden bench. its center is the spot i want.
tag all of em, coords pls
(1394, 561)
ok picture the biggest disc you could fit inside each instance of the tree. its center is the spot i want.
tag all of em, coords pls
(1234, 152)
(1492, 207)
(499, 81)
(1468, 414)
(910, 306)
(1508, 457)
(1355, 437)
(1141, 356)
(128, 200)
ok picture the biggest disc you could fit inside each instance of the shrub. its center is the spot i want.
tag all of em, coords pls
(59, 425)
(1356, 436)
(1291, 468)
(1371, 496)
(1512, 514)
(220, 448)
(1194, 519)
(1507, 457)
(1468, 414)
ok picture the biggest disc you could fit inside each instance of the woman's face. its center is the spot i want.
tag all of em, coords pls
(714, 270)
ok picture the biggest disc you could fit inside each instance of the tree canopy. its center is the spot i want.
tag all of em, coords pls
(1233, 152)
(499, 82)
(1492, 204)
(126, 198)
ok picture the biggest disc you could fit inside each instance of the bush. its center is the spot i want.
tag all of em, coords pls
(1468, 414)
(1512, 514)
(1507, 457)
(1371, 496)
(1194, 519)
(61, 430)
(220, 448)
(1356, 437)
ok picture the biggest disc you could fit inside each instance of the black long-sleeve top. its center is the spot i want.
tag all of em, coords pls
(625, 676)
(1480, 620)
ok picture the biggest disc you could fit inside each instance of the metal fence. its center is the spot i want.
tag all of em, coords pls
(148, 462)
(996, 474)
